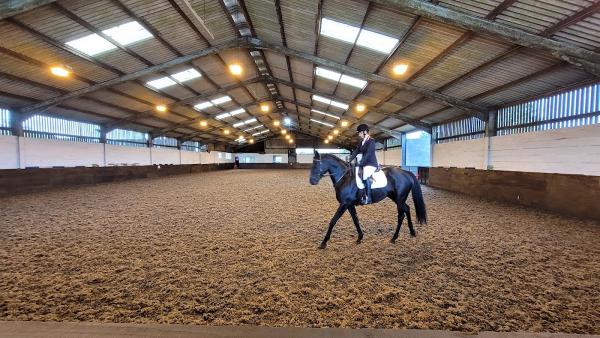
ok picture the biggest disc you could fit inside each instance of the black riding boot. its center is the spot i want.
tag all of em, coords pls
(367, 199)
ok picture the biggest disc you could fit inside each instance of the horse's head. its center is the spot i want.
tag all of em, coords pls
(317, 170)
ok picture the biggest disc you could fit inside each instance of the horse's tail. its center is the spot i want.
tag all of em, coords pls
(417, 196)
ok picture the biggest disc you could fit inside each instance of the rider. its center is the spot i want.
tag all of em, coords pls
(368, 161)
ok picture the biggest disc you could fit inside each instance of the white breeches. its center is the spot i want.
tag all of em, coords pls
(368, 171)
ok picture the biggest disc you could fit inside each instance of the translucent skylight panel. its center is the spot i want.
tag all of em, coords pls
(222, 116)
(250, 120)
(328, 74)
(260, 132)
(186, 75)
(321, 99)
(326, 114)
(239, 124)
(338, 30)
(220, 100)
(203, 105)
(378, 42)
(235, 112)
(161, 83)
(91, 44)
(366, 38)
(128, 33)
(253, 128)
(323, 123)
(352, 81)
(331, 102)
(339, 105)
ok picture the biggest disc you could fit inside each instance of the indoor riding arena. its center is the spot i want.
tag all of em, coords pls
(300, 168)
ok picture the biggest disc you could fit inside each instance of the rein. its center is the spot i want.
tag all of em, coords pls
(342, 174)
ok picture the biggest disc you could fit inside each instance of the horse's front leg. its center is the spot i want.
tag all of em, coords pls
(340, 211)
(352, 210)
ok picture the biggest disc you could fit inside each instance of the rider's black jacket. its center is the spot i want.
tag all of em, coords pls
(368, 153)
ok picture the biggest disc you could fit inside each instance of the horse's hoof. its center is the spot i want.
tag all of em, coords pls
(393, 240)
(323, 246)
(359, 239)
(413, 235)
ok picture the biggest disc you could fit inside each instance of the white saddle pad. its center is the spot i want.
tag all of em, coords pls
(378, 176)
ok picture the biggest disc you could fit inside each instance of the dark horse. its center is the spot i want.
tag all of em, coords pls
(399, 184)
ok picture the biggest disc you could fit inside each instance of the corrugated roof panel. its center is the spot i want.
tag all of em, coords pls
(277, 64)
(346, 93)
(51, 22)
(347, 12)
(213, 68)
(286, 91)
(423, 45)
(302, 72)
(241, 95)
(390, 123)
(20, 88)
(545, 83)
(515, 67)
(303, 96)
(299, 24)
(479, 8)
(383, 21)
(376, 91)
(334, 50)
(110, 97)
(24, 43)
(585, 33)
(83, 103)
(264, 20)
(216, 19)
(139, 91)
(404, 98)
(73, 114)
(443, 115)
(325, 86)
(422, 108)
(27, 71)
(535, 16)
(461, 60)
(172, 27)
(241, 57)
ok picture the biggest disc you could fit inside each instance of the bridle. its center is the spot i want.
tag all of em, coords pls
(330, 174)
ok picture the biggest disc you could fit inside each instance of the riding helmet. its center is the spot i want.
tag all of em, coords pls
(362, 127)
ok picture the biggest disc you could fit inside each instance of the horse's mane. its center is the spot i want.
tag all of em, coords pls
(336, 159)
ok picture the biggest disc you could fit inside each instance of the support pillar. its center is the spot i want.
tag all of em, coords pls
(490, 131)
(16, 122)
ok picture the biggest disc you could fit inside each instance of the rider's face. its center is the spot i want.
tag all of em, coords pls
(362, 134)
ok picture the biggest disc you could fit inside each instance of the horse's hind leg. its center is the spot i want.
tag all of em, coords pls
(334, 219)
(400, 219)
(352, 210)
(409, 220)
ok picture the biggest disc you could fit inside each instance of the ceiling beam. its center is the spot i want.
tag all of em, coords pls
(186, 101)
(12, 8)
(467, 107)
(392, 133)
(419, 125)
(571, 53)
(132, 76)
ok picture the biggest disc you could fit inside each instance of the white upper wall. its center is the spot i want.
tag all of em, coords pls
(48, 153)
(461, 154)
(122, 155)
(566, 151)
(32, 152)
(9, 152)
(391, 156)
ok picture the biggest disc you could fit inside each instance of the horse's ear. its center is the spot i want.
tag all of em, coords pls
(317, 155)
